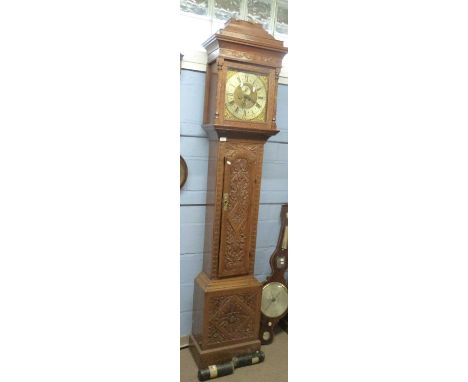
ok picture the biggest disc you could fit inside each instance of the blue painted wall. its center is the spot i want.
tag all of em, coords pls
(194, 149)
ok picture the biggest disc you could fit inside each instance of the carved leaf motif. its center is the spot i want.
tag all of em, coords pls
(238, 214)
(234, 248)
(249, 299)
(248, 57)
(236, 242)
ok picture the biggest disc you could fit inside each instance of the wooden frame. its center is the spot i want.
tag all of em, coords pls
(268, 324)
(183, 171)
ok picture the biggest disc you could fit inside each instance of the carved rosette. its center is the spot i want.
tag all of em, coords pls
(232, 318)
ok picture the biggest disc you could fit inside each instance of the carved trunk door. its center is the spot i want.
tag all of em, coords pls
(236, 217)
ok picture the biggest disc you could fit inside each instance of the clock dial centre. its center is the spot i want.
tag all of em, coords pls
(245, 96)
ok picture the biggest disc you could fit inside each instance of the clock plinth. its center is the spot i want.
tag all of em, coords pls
(240, 108)
(225, 318)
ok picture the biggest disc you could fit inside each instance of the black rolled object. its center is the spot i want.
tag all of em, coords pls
(215, 371)
(249, 359)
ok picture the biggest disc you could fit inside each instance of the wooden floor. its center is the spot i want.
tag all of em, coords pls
(274, 368)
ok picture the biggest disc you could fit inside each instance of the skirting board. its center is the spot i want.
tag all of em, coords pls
(184, 342)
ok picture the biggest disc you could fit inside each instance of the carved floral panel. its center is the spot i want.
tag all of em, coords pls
(232, 318)
(236, 214)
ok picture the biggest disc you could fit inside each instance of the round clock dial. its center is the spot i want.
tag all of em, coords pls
(281, 262)
(246, 96)
(274, 299)
(266, 336)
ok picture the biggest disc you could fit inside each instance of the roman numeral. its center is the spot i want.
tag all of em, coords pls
(258, 105)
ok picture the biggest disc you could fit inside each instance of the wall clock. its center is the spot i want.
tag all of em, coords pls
(183, 165)
(243, 68)
(183, 171)
(275, 289)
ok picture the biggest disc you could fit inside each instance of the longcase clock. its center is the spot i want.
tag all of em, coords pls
(244, 63)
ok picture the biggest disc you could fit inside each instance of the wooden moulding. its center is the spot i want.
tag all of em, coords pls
(217, 131)
(205, 358)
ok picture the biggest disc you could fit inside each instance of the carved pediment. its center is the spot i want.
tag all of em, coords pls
(244, 33)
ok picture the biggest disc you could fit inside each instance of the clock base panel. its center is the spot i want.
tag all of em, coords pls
(226, 318)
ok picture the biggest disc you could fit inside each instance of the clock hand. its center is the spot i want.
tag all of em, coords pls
(248, 97)
(277, 295)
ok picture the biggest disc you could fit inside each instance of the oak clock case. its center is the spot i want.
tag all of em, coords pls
(275, 289)
(243, 67)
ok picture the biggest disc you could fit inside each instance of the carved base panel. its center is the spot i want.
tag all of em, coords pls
(227, 316)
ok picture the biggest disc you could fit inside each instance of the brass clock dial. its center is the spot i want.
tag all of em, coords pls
(246, 96)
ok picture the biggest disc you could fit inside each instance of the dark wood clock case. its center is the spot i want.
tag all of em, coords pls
(226, 304)
(279, 266)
